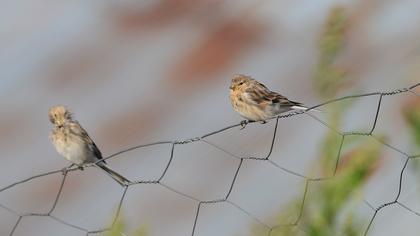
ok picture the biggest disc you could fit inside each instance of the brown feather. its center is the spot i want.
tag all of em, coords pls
(78, 130)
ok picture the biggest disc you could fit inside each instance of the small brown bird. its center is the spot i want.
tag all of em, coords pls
(73, 142)
(255, 102)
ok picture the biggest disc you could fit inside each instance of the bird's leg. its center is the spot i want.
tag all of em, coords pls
(80, 167)
(243, 124)
(66, 169)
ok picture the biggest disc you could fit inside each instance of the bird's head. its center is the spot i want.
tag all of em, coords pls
(240, 82)
(59, 115)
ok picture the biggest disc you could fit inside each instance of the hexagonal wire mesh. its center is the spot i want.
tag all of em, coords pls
(240, 160)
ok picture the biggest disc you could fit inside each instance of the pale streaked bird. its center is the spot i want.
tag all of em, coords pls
(73, 142)
(255, 102)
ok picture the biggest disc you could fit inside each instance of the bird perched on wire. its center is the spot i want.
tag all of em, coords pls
(255, 102)
(73, 142)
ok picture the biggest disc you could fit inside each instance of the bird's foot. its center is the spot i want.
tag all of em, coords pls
(65, 170)
(243, 124)
(263, 122)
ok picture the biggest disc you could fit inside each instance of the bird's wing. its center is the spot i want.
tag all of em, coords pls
(78, 130)
(262, 96)
(277, 98)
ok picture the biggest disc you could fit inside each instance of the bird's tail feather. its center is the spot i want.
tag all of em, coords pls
(117, 177)
(299, 108)
(303, 108)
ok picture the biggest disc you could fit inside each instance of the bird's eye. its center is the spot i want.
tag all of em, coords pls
(241, 83)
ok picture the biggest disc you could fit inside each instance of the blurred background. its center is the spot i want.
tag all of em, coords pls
(135, 72)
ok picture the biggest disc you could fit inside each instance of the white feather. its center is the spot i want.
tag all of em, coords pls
(299, 108)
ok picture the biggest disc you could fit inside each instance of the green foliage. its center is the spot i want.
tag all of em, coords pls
(119, 229)
(412, 117)
(116, 229)
(333, 196)
(331, 141)
(329, 206)
(411, 112)
(329, 78)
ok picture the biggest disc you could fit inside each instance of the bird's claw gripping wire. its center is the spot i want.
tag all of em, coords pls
(65, 170)
(80, 167)
(243, 124)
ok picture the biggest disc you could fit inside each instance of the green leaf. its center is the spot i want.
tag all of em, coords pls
(329, 78)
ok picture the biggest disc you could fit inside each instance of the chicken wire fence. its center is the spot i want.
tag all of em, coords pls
(240, 160)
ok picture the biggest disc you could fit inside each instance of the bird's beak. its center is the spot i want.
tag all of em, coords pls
(231, 87)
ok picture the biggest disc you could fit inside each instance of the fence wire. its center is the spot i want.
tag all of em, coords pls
(200, 203)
